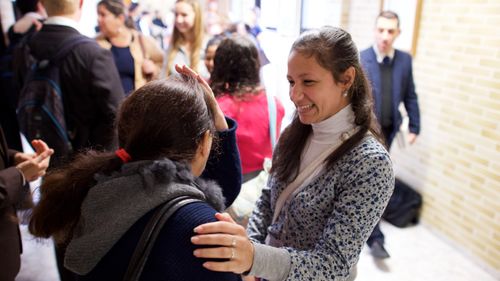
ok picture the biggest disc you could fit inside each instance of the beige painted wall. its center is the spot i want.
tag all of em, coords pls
(456, 160)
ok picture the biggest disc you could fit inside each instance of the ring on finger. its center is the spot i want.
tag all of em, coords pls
(233, 242)
(232, 254)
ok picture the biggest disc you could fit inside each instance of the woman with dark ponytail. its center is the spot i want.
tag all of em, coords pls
(99, 205)
(331, 176)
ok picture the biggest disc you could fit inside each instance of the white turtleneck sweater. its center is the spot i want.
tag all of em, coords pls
(325, 134)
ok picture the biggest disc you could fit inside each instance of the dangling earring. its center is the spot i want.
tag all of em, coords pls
(345, 93)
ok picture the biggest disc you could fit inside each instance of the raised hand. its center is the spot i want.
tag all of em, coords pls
(412, 138)
(219, 119)
(33, 166)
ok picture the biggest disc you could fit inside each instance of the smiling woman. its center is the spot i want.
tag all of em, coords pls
(315, 93)
(330, 181)
(187, 40)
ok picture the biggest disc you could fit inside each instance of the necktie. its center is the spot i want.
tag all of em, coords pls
(386, 61)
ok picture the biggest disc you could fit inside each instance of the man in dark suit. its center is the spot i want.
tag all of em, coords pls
(16, 170)
(89, 82)
(391, 77)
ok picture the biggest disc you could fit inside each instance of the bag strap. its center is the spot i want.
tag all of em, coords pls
(271, 108)
(151, 232)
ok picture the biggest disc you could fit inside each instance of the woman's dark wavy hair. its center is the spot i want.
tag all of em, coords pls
(117, 8)
(334, 50)
(164, 118)
(236, 66)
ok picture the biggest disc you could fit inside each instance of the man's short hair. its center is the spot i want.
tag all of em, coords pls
(60, 7)
(388, 15)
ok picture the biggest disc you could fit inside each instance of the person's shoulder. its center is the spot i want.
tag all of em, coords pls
(88, 51)
(102, 41)
(366, 52)
(194, 214)
(141, 36)
(182, 222)
(87, 46)
(402, 54)
(100, 36)
(370, 143)
(367, 56)
(172, 254)
(368, 148)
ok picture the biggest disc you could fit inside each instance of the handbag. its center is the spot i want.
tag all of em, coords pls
(243, 205)
(150, 233)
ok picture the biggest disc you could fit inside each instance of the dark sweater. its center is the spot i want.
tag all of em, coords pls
(116, 210)
(172, 255)
(224, 165)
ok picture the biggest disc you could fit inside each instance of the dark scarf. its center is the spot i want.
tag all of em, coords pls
(116, 202)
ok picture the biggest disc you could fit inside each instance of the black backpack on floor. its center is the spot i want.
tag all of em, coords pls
(404, 206)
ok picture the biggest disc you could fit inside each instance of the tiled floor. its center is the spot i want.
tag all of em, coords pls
(37, 261)
(416, 255)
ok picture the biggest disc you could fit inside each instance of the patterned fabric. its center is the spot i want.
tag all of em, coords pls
(325, 226)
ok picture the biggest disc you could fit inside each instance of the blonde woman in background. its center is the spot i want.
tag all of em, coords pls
(188, 38)
(138, 58)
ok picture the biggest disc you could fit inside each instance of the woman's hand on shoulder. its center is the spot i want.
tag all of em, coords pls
(228, 242)
(219, 119)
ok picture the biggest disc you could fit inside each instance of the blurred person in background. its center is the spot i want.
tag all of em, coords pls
(188, 39)
(210, 49)
(391, 76)
(236, 83)
(137, 57)
(32, 16)
(89, 83)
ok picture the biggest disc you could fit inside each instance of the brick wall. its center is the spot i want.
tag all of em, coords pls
(456, 160)
(361, 20)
